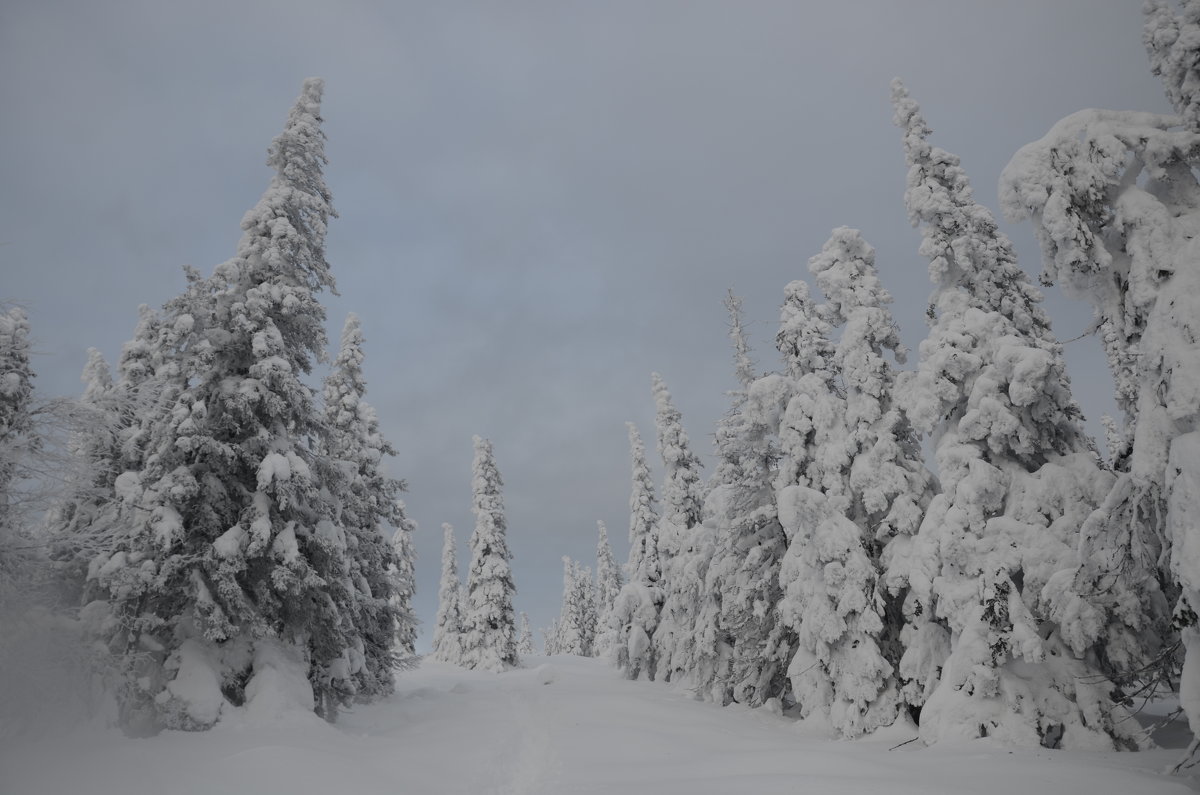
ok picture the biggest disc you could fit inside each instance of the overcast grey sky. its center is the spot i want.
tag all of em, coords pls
(541, 202)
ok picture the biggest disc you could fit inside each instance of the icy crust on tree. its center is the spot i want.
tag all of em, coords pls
(682, 540)
(489, 638)
(635, 613)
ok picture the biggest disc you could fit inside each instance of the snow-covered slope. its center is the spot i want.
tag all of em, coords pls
(560, 725)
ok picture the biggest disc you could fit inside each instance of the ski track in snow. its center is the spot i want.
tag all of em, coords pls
(562, 725)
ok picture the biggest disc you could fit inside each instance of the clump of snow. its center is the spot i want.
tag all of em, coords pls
(229, 544)
(192, 700)
(279, 693)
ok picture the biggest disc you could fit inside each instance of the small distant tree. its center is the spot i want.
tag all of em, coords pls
(577, 618)
(684, 545)
(525, 637)
(550, 638)
(636, 611)
(489, 626)
(448, 625)
(608, 585)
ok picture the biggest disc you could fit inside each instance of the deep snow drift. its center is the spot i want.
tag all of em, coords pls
(559, 725)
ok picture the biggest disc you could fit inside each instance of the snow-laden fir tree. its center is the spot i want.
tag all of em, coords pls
(18, 440)
(113, 424)
(448, 625)
(550, 638)
(569, 639)
(380, 572)
(404, 587)
(742, 654)
(230, 564)
(830, 594)
(1113, 197)
(639, 603)
(489, 637)
(886, 490)
(684, 545)
(524, 637)
(608, 585)
(577, 618)
(78, 524)
(991, 572)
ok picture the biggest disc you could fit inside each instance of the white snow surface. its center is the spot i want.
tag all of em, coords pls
(557, 725)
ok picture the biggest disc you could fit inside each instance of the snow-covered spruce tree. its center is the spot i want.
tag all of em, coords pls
(830, 594)
(380, 571)
(489, 637)
(404, 587)
(448, 626)
(888, 489)
(78, 524)
(550, 638)
(524, 637)
(577, 618)
(569, 639)
(18, 440)
(639, 603)
(738, 632)
(585, 599)
(1113, 197)
(991, 570)
(608, 585)
(231, 566)
(684, 544)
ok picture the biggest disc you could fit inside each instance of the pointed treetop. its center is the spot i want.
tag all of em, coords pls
(965, 247)
(96, 376)
(350, 356)
(743, 364)
(803, 336)
(681, 486)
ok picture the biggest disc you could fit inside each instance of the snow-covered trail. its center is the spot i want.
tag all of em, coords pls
(562, 725)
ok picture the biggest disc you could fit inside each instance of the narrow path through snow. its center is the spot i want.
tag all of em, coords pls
(562, 725)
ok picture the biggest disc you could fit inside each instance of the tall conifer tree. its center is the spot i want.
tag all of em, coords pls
(639, 603)
(995, 551)
(489, 625)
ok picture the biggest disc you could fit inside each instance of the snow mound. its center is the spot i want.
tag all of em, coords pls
(279, 693)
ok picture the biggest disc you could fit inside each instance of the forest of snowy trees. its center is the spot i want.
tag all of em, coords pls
(943, 544)
(1034, 587)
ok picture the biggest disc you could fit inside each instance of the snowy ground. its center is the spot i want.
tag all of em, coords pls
(561, 725)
